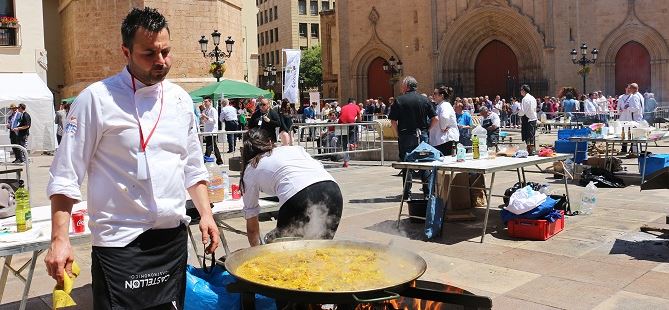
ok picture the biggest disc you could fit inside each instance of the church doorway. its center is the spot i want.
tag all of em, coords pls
(496, 71)
(632, 66)
(378, 81)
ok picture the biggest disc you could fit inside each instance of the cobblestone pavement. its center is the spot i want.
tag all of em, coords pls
(599, 261)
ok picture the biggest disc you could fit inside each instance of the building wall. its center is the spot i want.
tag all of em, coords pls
(250, 41)
(287, 23)
(329, 54)
(92, 39)
(25, 56)
(54, 47)
(438, 40)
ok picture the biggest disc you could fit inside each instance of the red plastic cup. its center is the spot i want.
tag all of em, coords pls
(236, 193)
(78, 222)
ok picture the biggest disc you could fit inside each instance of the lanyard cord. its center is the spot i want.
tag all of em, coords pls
(143, 143)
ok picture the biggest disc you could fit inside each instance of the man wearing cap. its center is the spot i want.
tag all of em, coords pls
(12, 122)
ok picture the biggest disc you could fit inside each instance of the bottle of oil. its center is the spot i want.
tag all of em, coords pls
(622, 135)
(475, 146)
(24, 221)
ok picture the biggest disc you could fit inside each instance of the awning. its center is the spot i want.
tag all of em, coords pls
(231, 89)
(30, 89)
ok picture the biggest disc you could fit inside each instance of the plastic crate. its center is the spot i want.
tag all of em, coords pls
(565, 134)
(654, 163)
(535, 229)
(568, 147)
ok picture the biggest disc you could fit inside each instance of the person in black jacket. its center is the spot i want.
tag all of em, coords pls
(22, 131)
(266, 118)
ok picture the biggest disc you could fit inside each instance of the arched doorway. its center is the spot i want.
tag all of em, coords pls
(495, 64)
(378, 81)
(632, 66)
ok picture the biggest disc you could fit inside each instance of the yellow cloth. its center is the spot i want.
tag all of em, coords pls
(61, 294)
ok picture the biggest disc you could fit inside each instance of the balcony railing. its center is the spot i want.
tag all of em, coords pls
(9, 36)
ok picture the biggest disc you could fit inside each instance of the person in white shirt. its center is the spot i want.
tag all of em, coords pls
(491, 123)
(528, 114)
(210, 120)
(309, 198)
(590, 106)
(231, 120)
(602, 106)
(636, 104)
(445, 134)
(134, 134)
(515, 108)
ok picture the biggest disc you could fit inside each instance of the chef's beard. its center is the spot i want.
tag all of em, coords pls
(154, 76)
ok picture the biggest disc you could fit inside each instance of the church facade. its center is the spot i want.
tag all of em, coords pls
(490, 47)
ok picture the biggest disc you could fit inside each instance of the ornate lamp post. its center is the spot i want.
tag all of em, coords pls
(217, 54)
(394, 68)
(584, 62)
(269, 72)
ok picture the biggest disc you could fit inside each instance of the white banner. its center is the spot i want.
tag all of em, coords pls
(291, 76)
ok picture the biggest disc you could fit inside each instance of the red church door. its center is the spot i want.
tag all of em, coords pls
(632, 66)
(495, 63)
(378, 81)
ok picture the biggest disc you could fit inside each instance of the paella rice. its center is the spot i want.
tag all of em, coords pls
(318, 270)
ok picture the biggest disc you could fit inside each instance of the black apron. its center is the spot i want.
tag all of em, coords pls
(148, 272)
(493, 136)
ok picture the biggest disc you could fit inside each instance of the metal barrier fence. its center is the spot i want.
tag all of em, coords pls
(6, 151)
(332, 139)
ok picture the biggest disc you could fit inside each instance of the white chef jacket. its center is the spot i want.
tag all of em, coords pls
(631, 107)
(228, 113)
(284, 173)
(528, 107)
(102, 139)
(447, 119)
(210, 124)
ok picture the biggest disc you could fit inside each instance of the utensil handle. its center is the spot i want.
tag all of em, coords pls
(391, 296)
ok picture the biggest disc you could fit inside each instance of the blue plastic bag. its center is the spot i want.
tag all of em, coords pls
(206, 291)
(434, 215)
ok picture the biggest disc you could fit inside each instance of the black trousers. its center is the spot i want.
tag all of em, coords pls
(407, 143)
(312, 213)
(21, 140)
(210, 144)
(446, 149)
(232, 138)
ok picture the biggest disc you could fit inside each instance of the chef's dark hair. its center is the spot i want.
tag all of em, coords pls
(256, 143)
(147, 18)
(525, 88)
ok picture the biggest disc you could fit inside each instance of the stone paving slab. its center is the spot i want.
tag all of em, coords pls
(600, 261)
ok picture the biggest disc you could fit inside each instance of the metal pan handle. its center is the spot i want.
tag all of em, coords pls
(391, 296)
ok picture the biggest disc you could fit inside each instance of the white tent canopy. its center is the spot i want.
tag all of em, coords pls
(28, 88)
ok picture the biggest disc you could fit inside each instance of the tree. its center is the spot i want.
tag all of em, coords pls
(311, 67)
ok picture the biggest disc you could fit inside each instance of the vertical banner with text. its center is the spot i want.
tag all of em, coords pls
(291, 76)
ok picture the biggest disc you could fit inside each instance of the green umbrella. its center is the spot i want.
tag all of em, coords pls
(230, 89)
(196, 99)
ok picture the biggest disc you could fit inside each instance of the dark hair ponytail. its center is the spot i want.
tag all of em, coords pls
(446, 92)
(256, 142)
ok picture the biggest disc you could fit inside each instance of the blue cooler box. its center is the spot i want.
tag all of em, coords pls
(654, 163)
(565, 146)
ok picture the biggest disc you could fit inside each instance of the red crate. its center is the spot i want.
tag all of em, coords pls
(535, 229)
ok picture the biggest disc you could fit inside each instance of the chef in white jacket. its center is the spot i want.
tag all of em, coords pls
(135, 136)
(445, 133)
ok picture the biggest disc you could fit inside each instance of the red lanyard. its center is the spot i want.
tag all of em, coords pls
(142, 142)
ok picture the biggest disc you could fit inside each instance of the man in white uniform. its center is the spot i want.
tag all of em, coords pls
(210, 119)
(135, 136)
(528, 114)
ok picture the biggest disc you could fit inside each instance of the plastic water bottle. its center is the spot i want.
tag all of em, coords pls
(226, 185)
(588, 199)
(461, 153)
(24, 221)
(215, 187)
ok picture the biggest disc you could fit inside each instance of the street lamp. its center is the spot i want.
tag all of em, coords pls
(270, 75)
(217, 54)
(584, 62)
(393, 67)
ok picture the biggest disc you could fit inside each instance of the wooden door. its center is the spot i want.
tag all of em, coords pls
(378, 81)
(495, 63)
(632, 66)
